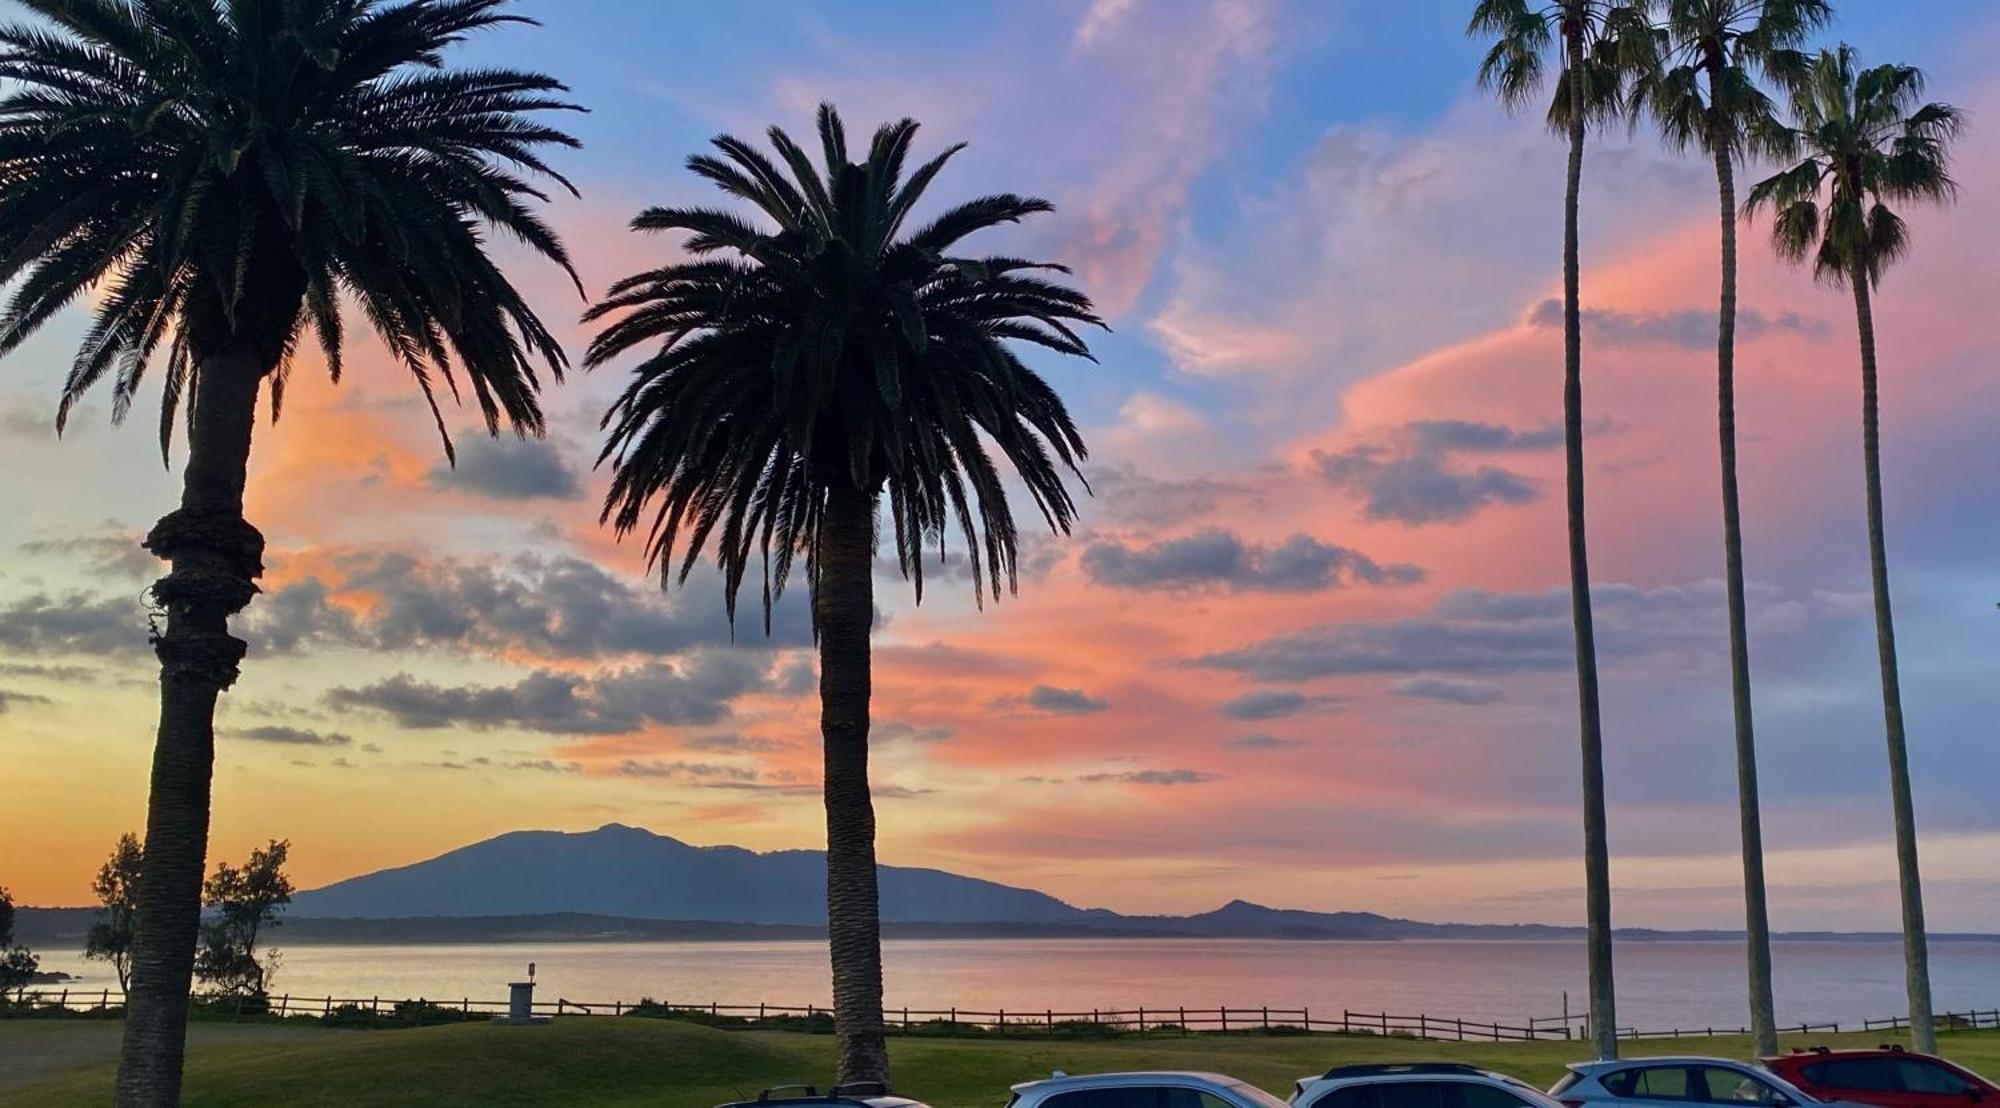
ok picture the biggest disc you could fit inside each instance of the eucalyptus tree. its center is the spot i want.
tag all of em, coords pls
(801, 372)
(1587, 39)
(1869, 142)
(222, 175)
(1702, 83)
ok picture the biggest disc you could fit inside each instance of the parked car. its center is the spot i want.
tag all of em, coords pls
(1887, 1077)
(1677, 1082)
(869, 1095)
(1165, 1089)
(1416, 1085)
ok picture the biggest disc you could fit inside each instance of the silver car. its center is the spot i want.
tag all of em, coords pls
(1416, 1085)
(1678, 1083)
(1163, 1089)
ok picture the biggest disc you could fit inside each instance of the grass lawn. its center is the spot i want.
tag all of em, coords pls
(626, 1061)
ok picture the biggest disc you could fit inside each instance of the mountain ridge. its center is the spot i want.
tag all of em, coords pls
(624, 883)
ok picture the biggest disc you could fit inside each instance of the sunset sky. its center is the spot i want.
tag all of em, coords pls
(1310, 645)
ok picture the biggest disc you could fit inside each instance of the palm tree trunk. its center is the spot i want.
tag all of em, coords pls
(844, 612)
(1756, 917)
(1596, 848)
(216, 557)
(1916, 955)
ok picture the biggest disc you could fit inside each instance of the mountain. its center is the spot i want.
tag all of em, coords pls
(632, 873)
(627, 883)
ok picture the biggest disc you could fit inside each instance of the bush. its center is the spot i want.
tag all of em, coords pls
(421, 1013)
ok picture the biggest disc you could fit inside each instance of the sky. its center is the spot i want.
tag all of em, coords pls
(1309, 645)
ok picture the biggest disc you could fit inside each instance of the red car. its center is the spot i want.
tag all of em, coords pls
(1889, 1077)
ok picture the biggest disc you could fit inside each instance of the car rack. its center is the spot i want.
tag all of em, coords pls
(848, 1094)
(1386, 1069)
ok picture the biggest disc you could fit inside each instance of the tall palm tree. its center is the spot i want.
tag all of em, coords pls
(1702, 85)
(1870, 141)
(799, 370)
(1586, 37)
(224, 173)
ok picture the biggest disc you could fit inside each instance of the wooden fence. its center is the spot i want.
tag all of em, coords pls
(378, 1010)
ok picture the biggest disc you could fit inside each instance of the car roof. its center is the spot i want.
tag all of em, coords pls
(1805, 1054)
(1099, 1080)
(1610, 1065)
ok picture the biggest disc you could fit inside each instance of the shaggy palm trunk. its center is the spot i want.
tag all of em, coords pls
(1756, 918)
(1596, 848)
(215, 557)
(1916, 955)
(844, 611)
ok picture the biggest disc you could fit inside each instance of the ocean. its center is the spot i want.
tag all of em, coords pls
(1661, 985)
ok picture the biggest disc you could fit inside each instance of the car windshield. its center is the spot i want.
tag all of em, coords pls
(1257, 1096)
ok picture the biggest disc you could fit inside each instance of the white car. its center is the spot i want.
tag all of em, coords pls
(1677, 1083)
(1417, 1085)
(1164, 1089)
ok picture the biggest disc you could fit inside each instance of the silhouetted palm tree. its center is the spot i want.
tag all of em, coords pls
(1702, 85)
(223, 174)
(798, 369)
(1869, 142)
(1585, 37)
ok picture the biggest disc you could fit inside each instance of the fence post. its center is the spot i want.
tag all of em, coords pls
(1385, 1025)
(1423, 1026)
(1142, 1017)
(1225, 1018)
(1346, 1022)
(1306, 1014)
(1003, 1021)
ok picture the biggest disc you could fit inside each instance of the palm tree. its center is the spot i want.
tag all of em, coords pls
(1701, 85)
(1586, 36)
(797, 371)
(1869, 142)
(223, 175)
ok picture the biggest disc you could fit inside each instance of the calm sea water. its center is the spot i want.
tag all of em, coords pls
(1661, 985)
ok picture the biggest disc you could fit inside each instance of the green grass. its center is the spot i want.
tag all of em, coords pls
(596, 1061)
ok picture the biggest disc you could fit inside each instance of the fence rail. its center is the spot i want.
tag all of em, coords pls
(1220, 1019)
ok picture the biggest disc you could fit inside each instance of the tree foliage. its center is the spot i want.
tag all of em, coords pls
(17, 964)
(244, 902)
(224, 174)
(117, 889)
(816, 344)
(1869, 141)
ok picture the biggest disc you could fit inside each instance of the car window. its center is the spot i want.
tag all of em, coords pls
(1125, 1096)
(1414, 1094)
(1474, 1095)
(1928, 1077)
(1728, 1086)
(1657, 1083)
(1353, 1096)
(1876, 1075)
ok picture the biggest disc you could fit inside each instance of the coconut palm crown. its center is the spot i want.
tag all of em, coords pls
(829, 349)
(1702, 78)
(1869, 141)
(226, 172)
(1527, 36)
